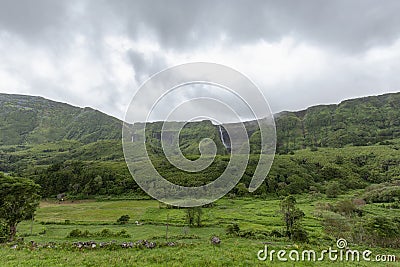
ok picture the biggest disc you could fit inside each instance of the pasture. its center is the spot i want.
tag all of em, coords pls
(192, 247)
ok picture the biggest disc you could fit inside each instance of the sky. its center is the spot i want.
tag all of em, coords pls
(299, 53)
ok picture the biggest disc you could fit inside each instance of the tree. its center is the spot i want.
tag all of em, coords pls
(19, 198)
(292, 217)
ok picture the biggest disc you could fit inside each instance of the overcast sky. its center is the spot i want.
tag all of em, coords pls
(300, 53)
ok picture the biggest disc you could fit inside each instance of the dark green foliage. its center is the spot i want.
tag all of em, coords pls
(253, 234)
(333, 189)
(193, 216)
(35, 120)
(233, 229)
(19, 198)
(103, 233)
(4, 232)
(78, 151)
(86, 179)
(292, 217)
(385, 192)
(362, 121)
(382, 231)
(123, 219)
(299, 234)
(346, 208)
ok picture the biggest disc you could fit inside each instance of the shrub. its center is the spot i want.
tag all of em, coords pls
(300, 234)
(253, 234)
(76, 233)
(3, 232)
(103, 233)
(193, 216)
(336, 225)
(385, 193)
(122, 233)
(43, 231)
(346, 207)
(233, 229)
(332, 189)
(383, 232)
(123, 219)
(276, 233)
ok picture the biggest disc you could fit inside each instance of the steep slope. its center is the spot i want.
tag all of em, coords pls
(78, 150)
(27, 120)
(36, 120)
(361, 121)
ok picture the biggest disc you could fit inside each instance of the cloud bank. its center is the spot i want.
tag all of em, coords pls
(300, 53)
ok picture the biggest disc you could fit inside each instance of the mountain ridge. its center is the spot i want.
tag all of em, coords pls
(360, 121)
(351, 146)
(32, 119)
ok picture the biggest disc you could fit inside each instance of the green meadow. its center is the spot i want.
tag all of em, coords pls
(55, 220)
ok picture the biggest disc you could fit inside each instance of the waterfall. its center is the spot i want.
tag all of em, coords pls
(222, 136)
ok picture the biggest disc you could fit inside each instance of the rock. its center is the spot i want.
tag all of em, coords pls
(171, 244)
(215, 240)
(127, 245)
(150, 245)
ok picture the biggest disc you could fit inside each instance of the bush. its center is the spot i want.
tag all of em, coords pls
(300, 234)
(103, 233)
(383, 232)
(43, 231)
(76, 233)
(383, 193)
(336, 225)
(3, 232)
(332, 189)
(276, 233)
(123, 219)
(233, 229)
(346, 208)
(193, 216)
(254, 234)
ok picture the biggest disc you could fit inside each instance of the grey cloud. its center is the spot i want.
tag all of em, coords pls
(145, 65)
(32, 19)
(350, 26)
(342, 27)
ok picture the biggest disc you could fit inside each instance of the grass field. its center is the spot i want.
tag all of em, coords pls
(55, 220)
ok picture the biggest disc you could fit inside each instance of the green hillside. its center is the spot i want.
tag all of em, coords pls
(26, 120)
(358, 122)
(78, 150)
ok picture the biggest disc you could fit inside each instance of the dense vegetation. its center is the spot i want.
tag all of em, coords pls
(336, 175)
(330, 171)
(35, 120)
(358, 122)
(324, 149)
(19, 198)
